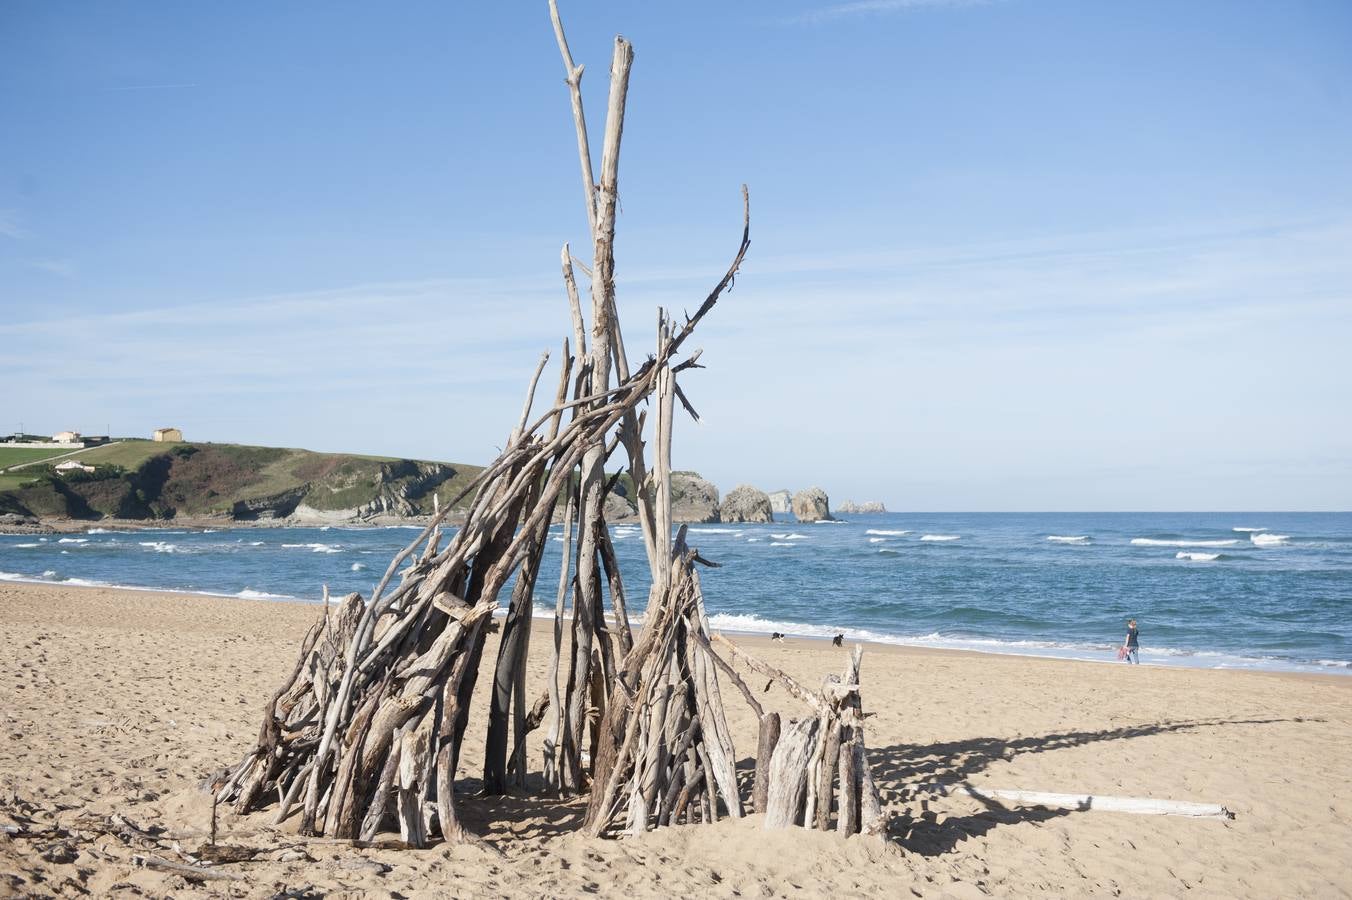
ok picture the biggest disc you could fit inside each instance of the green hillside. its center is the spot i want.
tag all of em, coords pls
(148, 480)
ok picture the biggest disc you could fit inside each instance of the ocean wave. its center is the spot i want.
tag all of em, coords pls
(1155, 542)
(98, 531)
(783, 544)
(888, 550)
(161, 546)
(25, 545)
(255, 543)
(885, 532)
(940, 538)
(1197, 557)
(73, 541)
(830, 522)
(1243, 528)
(752, 540)
(49, 573)
(12, 576)
(357, 567)
(790, 536)
(314, 548)
(876, 540)
(84, 582)
(1270, 540)
(251, 594)
(1068, 539)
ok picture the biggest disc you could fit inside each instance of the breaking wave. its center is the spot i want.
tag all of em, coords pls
(886, 533)
(940, 538)
(1155, 542)
(1270, 540)
(1247, 528)
(73, 541)
(1197, 557)
(1068, 539)
(160, 546)
(314, 548)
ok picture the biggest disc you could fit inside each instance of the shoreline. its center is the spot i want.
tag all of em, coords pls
(753, 638)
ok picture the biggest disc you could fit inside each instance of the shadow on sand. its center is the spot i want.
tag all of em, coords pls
(902, 769)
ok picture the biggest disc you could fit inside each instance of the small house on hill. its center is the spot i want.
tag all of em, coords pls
(167, 434)
(66, 437)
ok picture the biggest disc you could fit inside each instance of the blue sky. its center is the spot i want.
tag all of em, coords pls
(1006, 255)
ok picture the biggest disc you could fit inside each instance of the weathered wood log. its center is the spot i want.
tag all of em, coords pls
(765, 749)
(788, 774)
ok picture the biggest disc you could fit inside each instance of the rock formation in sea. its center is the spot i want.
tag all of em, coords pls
(745, 503)
(868, 506)
(811, 505)
(693, 498)
(781, 502)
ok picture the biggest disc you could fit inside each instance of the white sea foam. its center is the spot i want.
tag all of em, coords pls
(43, 540)
(12, 576)
(1068, 538)
(25, 545)
(49, 573)
(255, 543)
(829, 522)
(1270, 540)
(98, 531)
(887, 550)
(251, 594)
(783, 544)
(210, 530)
(791, 536)
(73, 541)
(885, 533)
(85, 582)
(876, 540)
(940, 537)
(1197, 557)
(1247, 528)
(357, 567)
(1153, 542)
(160, 546)
(752, 540)
(314, 548)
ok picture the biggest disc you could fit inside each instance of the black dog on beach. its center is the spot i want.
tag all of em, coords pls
(838, 640)
(776, 636)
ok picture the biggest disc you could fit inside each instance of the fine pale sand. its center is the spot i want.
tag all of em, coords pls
(119, 702)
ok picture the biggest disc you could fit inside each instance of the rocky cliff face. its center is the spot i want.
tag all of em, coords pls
(746, 504)
(849, 507)
(693, 499)
(811, 505)
(781, 502)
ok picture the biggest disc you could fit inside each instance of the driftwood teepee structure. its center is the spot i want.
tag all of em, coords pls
(370, 722)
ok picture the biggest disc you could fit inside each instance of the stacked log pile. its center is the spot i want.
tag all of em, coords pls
(366, 730)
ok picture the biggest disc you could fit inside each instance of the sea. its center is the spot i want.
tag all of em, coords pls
(1268, 591)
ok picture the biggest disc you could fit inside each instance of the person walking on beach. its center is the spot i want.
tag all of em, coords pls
(1132, 644)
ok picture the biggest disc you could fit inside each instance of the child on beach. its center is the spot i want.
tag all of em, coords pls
(1132, 644)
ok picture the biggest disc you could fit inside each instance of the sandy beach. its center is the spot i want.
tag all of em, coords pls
(117, 703)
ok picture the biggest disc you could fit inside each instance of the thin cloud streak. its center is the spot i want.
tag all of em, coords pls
(874, 8)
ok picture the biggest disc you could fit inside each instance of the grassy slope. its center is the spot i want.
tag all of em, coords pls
(208, 479)
(13, 456)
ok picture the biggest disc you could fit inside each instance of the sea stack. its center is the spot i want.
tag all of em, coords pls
(745, 503)
(781, 502)
(693, 498)
(849, 507)
(812, 505)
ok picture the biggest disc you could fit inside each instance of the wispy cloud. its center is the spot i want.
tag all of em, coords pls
(9, 224)
(152, 87)
(62, 268)
(873, 8)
